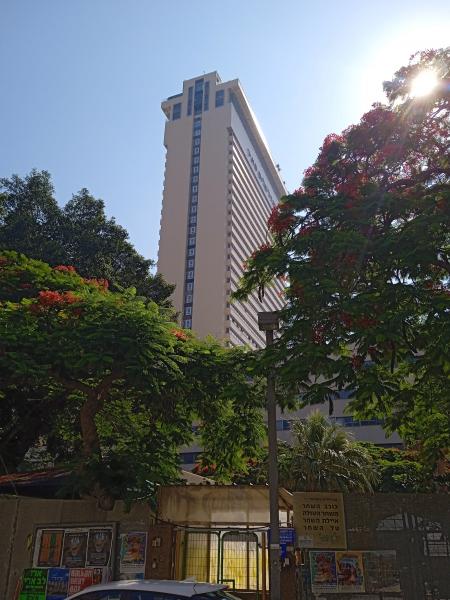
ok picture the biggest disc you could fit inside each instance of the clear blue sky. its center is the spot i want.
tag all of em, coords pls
(82, 82)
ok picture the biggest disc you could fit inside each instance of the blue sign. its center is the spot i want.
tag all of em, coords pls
(287, 536)
(57, 583)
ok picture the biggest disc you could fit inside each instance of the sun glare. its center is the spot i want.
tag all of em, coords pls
(424, 83)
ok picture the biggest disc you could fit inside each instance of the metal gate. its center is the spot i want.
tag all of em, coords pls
(233, 557)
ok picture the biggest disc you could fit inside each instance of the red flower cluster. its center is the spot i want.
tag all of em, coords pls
(179, 334)
(361, 322)
(49, 298)
(298, 192)
(205, 469)
(3, 260)
(280, 220)
(102, 284)
(306, 230)
(318, 334)
(331, 139)
(65, 268)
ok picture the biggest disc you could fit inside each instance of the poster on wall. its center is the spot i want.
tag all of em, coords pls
(132, 552)
(319, 519)
(80, 579)
(74, 548)
(350, 571)
(34, 584)
(57, 583)
(323, 572)
(99, 547)
(48, 547)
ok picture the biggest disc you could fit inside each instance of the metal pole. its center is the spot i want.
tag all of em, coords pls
(274, 548)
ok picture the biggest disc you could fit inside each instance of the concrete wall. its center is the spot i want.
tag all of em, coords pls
(19, 516)
(403, 522)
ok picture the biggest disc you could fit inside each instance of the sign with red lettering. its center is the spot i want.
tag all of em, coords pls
(80, 579)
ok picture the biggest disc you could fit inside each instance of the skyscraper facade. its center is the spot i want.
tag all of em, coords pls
(219, 188)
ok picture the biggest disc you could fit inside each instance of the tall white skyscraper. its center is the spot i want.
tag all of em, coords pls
(220, 186)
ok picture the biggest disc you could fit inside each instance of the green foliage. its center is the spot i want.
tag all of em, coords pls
(111, 383)
(324, 458)
(364, 247)
(78, 234)
(401, 470)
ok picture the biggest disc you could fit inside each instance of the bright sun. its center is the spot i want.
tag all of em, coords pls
(424, 83)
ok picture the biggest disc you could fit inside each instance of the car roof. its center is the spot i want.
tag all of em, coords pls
(181, 588)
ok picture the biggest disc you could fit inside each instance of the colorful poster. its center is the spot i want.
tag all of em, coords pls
(75, 545)
(34, 584)
(99, 547)
(57, 583)
(323, 572)
(49, 547)
(380, 571)
(319, 519)
(132, 552)
(80, 579)
(350, 571)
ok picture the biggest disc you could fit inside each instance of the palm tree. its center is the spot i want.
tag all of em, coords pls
(325, 458)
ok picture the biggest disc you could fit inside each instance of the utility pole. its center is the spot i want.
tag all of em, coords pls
(269, 322)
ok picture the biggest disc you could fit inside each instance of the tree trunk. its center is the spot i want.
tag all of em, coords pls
(89, 434)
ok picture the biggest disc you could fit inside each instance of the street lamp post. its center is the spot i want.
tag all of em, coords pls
(269, 322)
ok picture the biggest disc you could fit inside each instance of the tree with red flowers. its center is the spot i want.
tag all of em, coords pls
(364, 245)
(111, 384)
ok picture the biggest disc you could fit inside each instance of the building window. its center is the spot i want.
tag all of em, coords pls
(189, 299)
(189, 106)
(194, 178)
(191, 252)
(191, 263)
(192, 230)
(187, 323)
(176, 112)
(191, 241)
(193, 219)
(195, 170)
(220, 98)
(189, 287)
(194, 189)
(194, 199)
(197, 125)
(196, 160)
(188, 311)
(196, 150)
(206, 101)
(193, 209)
(190, 275)
(197, 141)
(198, 100)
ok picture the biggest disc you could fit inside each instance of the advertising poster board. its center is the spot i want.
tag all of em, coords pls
(34, 584)
(380, 571)
(80, 579)
(319, 520)
(99, 547)
(350, 571)
(74, 549)
(48, 547)
(323, 572)
(132, 552)
(57, 583)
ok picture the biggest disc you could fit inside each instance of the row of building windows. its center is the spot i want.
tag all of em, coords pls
(347, 421)
(192, 212)
(198, 96)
